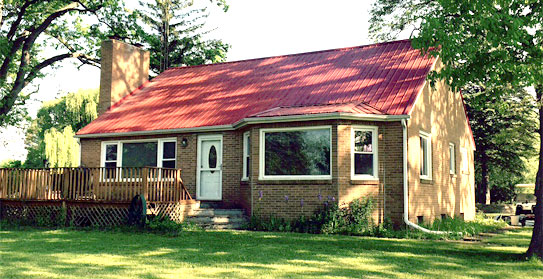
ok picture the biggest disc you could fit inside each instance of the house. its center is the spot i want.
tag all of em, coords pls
(284, 135)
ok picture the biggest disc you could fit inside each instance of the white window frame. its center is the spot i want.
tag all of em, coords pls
(160, 152)
(246, 139)
(452, 158)
(262, 160)
(428, 155)
(374, 145)
(119, 143)
(103, 156)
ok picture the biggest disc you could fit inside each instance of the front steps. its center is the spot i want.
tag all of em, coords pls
(215, 218)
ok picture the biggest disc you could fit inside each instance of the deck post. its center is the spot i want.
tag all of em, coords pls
(145, 181)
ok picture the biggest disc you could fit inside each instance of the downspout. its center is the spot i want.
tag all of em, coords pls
(79, 144)
(406, 189)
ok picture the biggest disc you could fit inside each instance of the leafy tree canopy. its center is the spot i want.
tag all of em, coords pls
(72, 29)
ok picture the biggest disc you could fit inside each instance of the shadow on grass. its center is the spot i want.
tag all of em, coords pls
(232, 254)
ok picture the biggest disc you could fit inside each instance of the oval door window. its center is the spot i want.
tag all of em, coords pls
(212, 157)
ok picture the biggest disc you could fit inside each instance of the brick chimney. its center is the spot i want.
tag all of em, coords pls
(124, 68)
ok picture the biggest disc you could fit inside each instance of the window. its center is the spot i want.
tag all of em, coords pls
(110, 160)
(246, 156)
(296, 153)
(110, 156)
(168, 154)
(364, 153)
(452, 159)
(425, 156)
(139, 153)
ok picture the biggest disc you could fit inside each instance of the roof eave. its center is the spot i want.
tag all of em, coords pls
(256, 120)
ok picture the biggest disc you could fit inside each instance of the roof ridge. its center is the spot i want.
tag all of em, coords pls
(288, 55)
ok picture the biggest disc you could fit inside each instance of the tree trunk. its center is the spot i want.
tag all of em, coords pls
(536, 244)
(483, 191)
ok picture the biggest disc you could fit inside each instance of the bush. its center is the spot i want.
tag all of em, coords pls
(354, 219)
(164, 225)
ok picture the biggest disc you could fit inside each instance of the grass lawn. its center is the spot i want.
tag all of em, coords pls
(240, 254)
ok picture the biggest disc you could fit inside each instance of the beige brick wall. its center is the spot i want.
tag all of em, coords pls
(440, 112)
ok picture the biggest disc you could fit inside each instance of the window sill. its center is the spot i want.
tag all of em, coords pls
(295, 182)
(426, 181)
(368, 181)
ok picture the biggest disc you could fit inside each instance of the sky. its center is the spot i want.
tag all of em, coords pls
(253, 28)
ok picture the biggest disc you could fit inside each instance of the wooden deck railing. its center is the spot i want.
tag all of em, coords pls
(93, 184)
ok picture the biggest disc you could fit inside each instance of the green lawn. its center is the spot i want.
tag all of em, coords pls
(240, 254)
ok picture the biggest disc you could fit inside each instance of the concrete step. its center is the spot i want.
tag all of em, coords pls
(225, 227)
(209, 212)
(217, 219)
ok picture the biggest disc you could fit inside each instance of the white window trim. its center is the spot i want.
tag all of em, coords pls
(428, 155)
(374, 144)
(119, 144)
(452, 158)
(262, 176)
(246, 138)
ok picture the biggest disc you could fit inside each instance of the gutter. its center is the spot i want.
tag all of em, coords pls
(406, 188)
(255, 120)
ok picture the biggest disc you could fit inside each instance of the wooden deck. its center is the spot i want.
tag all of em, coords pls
(93, 184)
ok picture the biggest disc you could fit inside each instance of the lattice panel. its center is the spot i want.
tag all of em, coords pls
(98, 215)
(175, 211)
(30, 213)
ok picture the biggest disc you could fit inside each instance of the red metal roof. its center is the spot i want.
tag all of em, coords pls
(381, 79)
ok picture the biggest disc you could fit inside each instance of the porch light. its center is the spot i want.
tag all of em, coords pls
(184, 142)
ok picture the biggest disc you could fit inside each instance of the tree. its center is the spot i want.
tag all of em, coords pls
(487, 43)
(176, 36)
(11, 164)
(503, 123)
(28, 27)
(61, 149)
(57, 121)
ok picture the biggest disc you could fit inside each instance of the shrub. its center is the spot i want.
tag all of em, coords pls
(354, 219)
(164, 225)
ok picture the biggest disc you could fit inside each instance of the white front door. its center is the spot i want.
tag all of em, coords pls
(209, 170)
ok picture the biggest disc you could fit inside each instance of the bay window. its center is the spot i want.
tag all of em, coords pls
(296, 153)
(364, 152)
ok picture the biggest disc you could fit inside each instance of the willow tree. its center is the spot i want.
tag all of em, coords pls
(73, 111)
(490, 43)
(61, 148)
